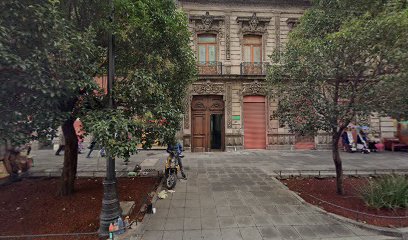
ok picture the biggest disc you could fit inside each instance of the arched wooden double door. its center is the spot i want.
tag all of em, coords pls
(208, 128)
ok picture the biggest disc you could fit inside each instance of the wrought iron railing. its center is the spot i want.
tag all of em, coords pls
(252, 68)
(209, 68)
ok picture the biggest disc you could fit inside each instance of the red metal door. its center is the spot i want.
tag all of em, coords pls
(254, 122)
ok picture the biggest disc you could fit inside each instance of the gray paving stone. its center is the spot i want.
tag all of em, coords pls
(245, 221)
(359, 231)
(174, 224)
(209, 223)
(278, 220)
(231, 234)
(250, 233)
(323, 231)
(192, 196)
(269, 233)
(222, 203)
(285, 209)
(236, 202)
(378, 238)
(341, 230)
(207, 204)
(156, 224)
(271, 209)
(160, 212)
(192, 223)
(191, 189)
(178, 203)
(178, 195)
(165, 203)
(192, 235)
(224, 193)
(176, 212)
(208, 212)
(173, 235)
(306, 232)
(261, 220)
(223, 211)
(288, 232)
(211, 234)
(192, 212)
(195, 203)
(153, 235)
(227, 222)
(241, 211)
(316, 219)
(294, 219)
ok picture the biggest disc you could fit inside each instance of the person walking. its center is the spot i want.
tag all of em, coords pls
(91, 147)
(61, 140)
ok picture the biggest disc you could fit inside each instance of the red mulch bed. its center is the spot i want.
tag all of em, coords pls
(325, 189)
(32, 206)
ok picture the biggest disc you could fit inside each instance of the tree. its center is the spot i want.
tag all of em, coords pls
(345, 59)
(48, 62)
(45, 66)
(154, 65)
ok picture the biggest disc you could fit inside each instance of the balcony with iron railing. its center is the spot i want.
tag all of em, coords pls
(253, 68)
(243, 69)
(209, 68)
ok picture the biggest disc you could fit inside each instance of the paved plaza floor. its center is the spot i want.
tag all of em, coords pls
(270, 162)
(233, 195)
(239, 203)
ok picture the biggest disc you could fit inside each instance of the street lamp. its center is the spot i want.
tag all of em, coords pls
(110, 203)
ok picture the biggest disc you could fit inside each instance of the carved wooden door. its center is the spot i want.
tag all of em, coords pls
(203, 109)
(199, 132)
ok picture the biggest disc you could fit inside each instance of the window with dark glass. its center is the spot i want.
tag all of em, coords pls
(252, 49)
(207, 48)
(252, 55)
(207, 55)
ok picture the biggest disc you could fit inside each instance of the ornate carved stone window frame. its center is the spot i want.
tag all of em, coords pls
(207, 24)
(254, 26)
(292, 23)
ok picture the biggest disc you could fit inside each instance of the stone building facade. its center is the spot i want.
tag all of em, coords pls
(228, 108)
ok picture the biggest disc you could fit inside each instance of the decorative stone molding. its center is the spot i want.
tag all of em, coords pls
(227, 38)
(277, 33)
(187, 107)
(281, 139)
(208, 88)
(253, 24)
(207, 23)
(229, 105)
(253, 88)
(292, 22)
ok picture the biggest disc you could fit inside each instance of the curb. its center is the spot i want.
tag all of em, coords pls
(136, 231)
(393, 232)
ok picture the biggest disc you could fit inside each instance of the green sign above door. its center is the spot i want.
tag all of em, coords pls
(236, 117)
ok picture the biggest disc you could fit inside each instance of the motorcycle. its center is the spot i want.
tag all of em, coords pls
(171, 169)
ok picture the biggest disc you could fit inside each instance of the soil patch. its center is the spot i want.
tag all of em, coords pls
(314, 190)
(32, 206)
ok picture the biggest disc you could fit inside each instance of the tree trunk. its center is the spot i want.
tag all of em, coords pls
(70, 158)
(337, 163)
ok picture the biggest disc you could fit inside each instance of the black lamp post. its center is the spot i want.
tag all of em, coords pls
(110, 203)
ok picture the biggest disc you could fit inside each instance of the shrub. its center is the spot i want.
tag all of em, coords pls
(386, 192)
